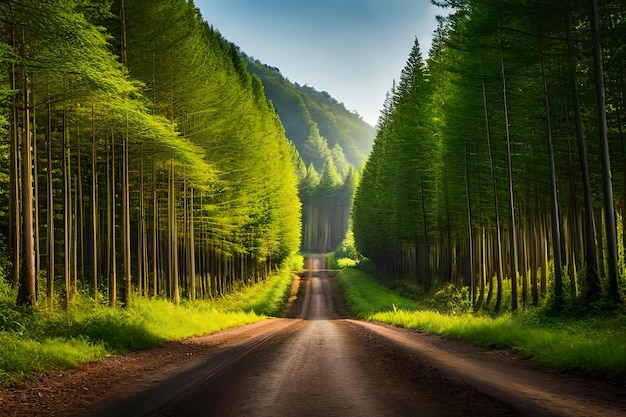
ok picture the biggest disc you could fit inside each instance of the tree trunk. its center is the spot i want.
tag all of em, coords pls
(94, 206)
(155, 230)
(173, 238)
(50, 213)
(427, 277)
(500, 259)
(14, 178)
(37, 222)
(112, 225)
(512, 225)
(67, 196)
(470, 238)
(592, 277)
(27, 294)
(79, 221)
(126, 221)
(141, 243)
(607, 183)
(554, 200)
(192, 251)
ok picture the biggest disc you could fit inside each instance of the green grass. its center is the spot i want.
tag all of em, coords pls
(365, 295)
(37, 341)
(593, 346)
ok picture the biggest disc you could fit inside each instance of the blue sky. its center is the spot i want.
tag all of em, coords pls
(353, 49)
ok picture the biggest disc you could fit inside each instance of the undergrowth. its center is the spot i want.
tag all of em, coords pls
(592, 346)
(35, 340)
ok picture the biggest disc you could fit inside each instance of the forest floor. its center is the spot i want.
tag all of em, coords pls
(452, 376)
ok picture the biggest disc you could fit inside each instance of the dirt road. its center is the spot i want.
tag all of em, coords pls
(319, 362)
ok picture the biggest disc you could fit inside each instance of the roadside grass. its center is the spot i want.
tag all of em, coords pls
(35, 340)
(267, 298)
(593, 346)
(366, 296)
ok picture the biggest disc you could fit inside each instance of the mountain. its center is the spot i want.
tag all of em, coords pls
(319, 125)
(332, 143)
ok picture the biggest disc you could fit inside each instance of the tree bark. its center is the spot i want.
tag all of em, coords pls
(14, 175)
(173, 238)
(27, 294)
(512, 225)
(67, 196)
(94, 206)
(592, 277)
(500, 260)
(112, 225)
(556, 218)
(126, 221)
(50, 213)
(607, 183)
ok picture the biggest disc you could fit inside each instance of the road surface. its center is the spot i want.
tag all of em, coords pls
(316, 361)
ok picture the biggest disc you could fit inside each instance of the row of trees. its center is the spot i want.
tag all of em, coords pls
(331, 146)
(326, 206)
(491, 164)
(142, 157)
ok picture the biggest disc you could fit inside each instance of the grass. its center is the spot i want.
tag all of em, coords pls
(34, 341)
(365, 295)
(592, 346)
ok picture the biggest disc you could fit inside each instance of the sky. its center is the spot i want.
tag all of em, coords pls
(353, 49)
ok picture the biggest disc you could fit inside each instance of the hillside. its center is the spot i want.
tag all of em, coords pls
(333, 143)
(314, 121)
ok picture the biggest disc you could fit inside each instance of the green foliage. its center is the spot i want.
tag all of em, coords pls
(331, 142)
(316, 122)
(461, 179)
(348, 248)
(346, 263)
(20, 357)
(451, 300)
(364, 294)
(264, 299)
(575, 346)
(172, 104)
(38, 341)
(331, 262)
(593, 346)
(296, 262)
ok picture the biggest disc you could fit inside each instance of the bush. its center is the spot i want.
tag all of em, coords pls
(347, 249)
(451, 300)
(296, 262)
(346, 263)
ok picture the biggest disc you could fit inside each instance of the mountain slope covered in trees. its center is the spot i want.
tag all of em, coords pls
(331, 143)
(315, 122)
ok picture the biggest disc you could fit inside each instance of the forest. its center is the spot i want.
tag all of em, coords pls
(158, 184)
(139, 156)
(333, 144)
(500, 160)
